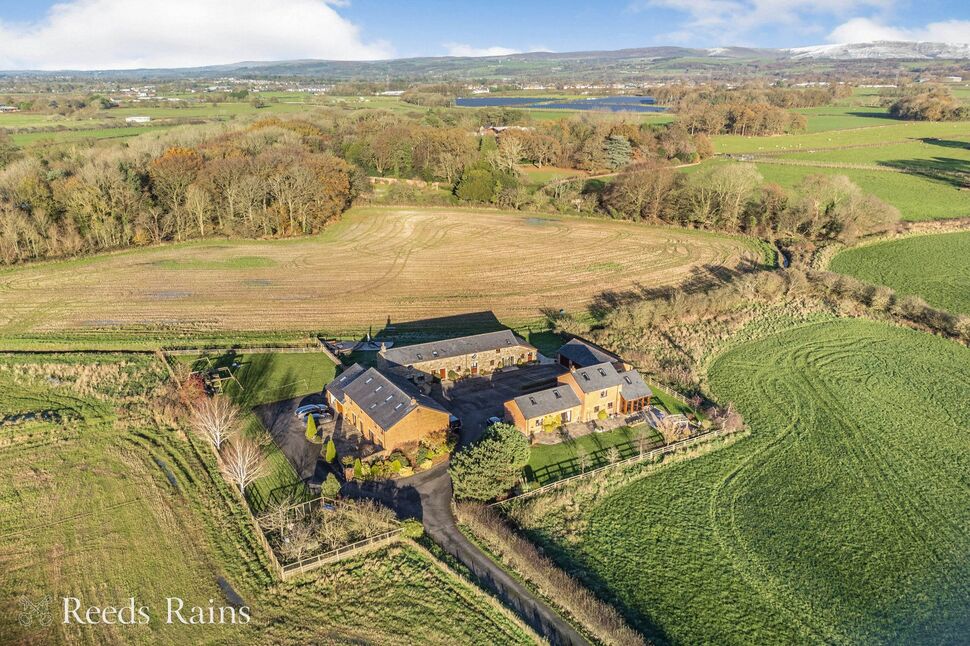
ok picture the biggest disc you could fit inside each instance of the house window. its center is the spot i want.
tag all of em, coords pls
(538, 422)
(603, 393)
(596, 409)
(610, 405)
(492, 362)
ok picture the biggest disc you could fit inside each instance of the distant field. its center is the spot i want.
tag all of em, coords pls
(917, 197)
(99, 503)
(81, 134)
(882, 131)
(934, 267)
(827, 118)
(842, 518)
(402, 264)
(951, 154)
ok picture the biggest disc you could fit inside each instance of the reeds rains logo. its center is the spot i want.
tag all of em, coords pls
(36, 613)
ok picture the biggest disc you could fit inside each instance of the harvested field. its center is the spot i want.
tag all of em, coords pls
(406, 264)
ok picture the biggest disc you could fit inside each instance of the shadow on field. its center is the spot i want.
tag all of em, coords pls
(440, 327)
(947, 170)
(701, 279)
(874, 115)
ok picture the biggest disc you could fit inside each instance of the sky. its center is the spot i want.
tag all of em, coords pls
(124, 34)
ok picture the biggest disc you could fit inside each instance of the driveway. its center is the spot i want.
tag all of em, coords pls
(475, 400)
(289, 433)
(427, 497)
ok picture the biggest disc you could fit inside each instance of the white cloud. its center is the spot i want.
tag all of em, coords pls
(863, 30)
(461, 49)
(731, 22)
(125, 34)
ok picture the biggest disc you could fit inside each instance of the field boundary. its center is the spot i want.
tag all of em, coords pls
(690, 442)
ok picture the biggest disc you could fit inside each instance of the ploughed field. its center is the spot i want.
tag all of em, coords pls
(933, 267)
(843, 518)
(104, 501)
(406, 264)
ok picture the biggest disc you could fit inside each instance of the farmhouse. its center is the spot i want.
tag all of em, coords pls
(479, 354)
(386, 413)
(586, 393)
(550, 407)
(580, 353)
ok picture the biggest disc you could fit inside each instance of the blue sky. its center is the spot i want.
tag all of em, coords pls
(85, 34)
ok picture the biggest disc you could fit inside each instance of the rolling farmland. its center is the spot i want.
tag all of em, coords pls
(934, 267)
(406, 264)
(843, 518)
(100, 503)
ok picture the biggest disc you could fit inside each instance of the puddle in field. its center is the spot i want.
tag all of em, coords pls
(169, 294)
(21, 418)
(539, 222)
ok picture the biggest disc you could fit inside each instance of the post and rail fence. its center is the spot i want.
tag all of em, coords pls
(702, 438)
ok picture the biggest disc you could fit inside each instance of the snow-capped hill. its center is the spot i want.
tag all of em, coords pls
(883, 49)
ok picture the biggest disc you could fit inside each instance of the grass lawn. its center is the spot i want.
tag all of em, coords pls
(551, 462)
(266, 378)
(101, 501)
(842, 518)
(934, 267)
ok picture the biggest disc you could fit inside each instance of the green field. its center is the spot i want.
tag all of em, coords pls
(104, 500)
(916, 197)
(882, 131)
(829, 117)
(934, 267)
(842, 519)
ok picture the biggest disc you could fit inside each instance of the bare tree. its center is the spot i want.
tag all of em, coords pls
(613, 455)
(243, 462)
(582, 457)
(216, 419)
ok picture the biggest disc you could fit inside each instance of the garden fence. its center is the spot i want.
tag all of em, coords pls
(648, 455)
(299, 567)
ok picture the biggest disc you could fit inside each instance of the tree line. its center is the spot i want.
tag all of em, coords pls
(733, 197)
(272, 178)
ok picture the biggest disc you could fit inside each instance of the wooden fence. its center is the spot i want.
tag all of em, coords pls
(648, 455)
(286, 349)
(291, 570)
(287, 571)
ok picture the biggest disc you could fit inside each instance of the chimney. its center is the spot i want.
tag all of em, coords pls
(383, 347)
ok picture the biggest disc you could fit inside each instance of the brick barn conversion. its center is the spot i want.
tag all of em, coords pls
(479, 354)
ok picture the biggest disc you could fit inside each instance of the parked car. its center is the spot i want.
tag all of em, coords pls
(325, 416)
(454, 423)
(312, 409)
(493, 420)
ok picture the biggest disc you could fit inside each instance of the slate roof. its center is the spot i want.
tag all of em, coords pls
(490, 341)
(585, 354)
(546, 402)
(596, 377)
(341, 381)
(385, 401)
(632, 386)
